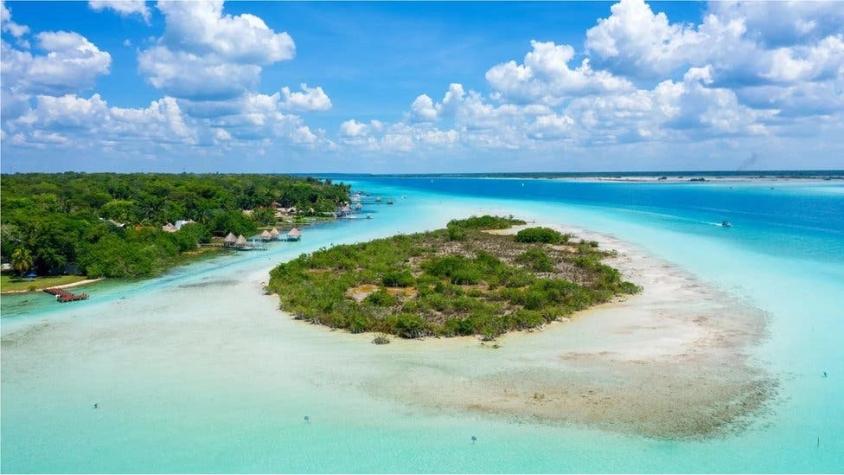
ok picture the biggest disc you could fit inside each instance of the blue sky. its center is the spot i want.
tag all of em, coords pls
(421, 87)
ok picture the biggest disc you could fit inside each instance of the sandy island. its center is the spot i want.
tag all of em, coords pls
(670, 362)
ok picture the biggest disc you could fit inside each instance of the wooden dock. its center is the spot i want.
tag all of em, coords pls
(63, 296)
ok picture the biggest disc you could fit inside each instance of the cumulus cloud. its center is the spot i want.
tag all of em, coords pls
(635, 41)
(423, 109)
(122, 7)
(80, 121)
(207, 54)
(8, 25)
(191, 76)
(70, 63)
(309, 99)
(546, 76)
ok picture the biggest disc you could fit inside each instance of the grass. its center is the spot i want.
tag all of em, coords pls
(430, 284)
(10, 283)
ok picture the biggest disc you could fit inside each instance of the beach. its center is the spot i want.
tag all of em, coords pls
(200, 369)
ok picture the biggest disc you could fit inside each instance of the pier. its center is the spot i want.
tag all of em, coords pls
(63, 296)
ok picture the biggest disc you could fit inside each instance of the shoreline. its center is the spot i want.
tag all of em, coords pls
(63, 286)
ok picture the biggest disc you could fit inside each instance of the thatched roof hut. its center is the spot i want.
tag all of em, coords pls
(274, 233)
(241, 241)
(294, 234)
(230, 239)
(266, 236)
(169, 228)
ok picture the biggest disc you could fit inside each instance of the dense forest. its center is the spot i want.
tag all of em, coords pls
(107, 224)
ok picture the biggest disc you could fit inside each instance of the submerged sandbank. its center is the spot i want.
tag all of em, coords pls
(670, 362)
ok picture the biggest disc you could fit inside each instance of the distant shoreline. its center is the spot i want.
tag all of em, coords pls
(620, 175)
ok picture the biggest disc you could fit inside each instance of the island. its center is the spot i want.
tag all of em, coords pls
(475, 277)
(66, 228)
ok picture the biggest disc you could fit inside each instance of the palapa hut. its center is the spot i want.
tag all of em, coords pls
(266, 236)
(294, 235)
(230, 240)
(274, 233)
(241, 242)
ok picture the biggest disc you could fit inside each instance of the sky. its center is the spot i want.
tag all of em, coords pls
(109, 85)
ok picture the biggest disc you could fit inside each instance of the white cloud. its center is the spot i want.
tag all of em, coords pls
(8, 25)
(206, 54)
(783, 23)
(91, 122)
(122, 7)
(192, 76)
(71, 63)
(792, 64)
(636, 41)
(423, 109)
(546, 76)
(309, 99)
(352, 129)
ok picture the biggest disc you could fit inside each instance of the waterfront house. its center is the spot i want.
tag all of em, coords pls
(241, 242)
(294, 234)
(274, 233)
(230, 240)
(266, 236)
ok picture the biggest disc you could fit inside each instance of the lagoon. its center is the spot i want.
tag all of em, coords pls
(198, 371)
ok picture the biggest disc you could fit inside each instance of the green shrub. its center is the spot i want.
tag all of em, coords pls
(486, 222)
(398, 279)
(543, 235)
(381, 298)
(407, 325)
(456, 232)
(537, 260)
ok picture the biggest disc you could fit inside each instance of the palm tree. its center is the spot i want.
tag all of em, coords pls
(21, 260)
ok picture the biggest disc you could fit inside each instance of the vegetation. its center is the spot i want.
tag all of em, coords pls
(546, 235)
(10, 283)
(109, 225)
(432, 285)
(458, 229)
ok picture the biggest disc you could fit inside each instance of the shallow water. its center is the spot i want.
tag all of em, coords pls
(198, 371)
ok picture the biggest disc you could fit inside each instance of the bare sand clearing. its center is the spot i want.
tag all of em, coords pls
(670, 362)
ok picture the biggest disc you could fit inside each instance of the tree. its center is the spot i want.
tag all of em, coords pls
(21, 260)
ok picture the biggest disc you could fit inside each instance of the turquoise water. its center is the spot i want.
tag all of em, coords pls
(185, 387)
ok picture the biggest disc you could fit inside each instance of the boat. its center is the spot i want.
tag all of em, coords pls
(726, 224)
